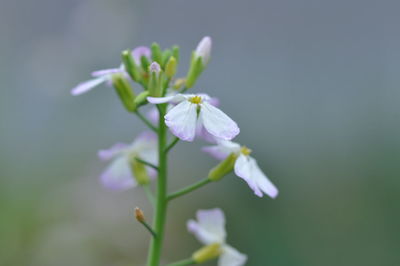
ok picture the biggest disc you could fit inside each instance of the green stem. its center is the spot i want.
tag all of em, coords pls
(183, 262)
(161, 198)
(148, 227)
(147, 122)
(172, 144)
(155, 167)
(188, 189)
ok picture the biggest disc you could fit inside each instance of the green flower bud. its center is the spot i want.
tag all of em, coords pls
(207, 253)
(156, 54)
(124, 91)
(165, 57)
(196, 67)
(141, 98)
(175, 52)
(223, 168)
(155, 84)
(130, 65)
(139, 172)
(170, 68)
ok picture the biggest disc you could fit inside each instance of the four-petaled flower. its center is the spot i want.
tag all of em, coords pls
(246, 167)
(119, 175)
(105, 75)
(209, 229)
(192, 111)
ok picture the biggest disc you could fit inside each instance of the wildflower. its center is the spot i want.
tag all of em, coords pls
(193, 110)
(209, 229)
(245, 166)
(125, 172)
(200, 58)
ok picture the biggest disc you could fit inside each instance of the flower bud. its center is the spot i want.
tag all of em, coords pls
(156, 54)
(139, 172)
(207, 253)
(124, 91)
(223, 168)
(165, 57)
(196, 67)
(203, 50)
(154, 86)
(139, 215)
(141, 98)
(175, 52)
(170, 67)
(130, 65)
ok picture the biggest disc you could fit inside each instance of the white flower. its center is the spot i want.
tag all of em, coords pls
(118, 175)
(194, 110)
(203, 49)
(209, 229)
(246, 167)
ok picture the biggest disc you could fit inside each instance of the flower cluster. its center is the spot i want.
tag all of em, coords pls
(187, 116)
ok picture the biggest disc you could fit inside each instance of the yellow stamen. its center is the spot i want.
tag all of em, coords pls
(245, 151)
(195, 99)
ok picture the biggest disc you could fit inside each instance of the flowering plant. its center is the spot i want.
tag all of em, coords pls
(186, 116)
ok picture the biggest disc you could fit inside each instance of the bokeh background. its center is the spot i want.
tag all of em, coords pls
(313, 84)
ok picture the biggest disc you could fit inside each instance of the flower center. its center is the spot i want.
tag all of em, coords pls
(245, 151)
(195, 99)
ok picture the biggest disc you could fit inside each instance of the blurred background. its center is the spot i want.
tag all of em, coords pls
(314, 86)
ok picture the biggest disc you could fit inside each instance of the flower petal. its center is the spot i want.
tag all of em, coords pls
(168, 99)
(87, 86)
(182, 119)
(110, 153)
(243, 169)
(217, 123)
(231, 257)
(140, 51)
(118, 175)
(105, 72)
(223, 149)
(262, 180)
(209, 227)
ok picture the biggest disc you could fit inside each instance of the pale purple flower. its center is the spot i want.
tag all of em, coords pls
(155, 67)
(100, 76)
(140, 51)
(192, 111)
(203, 49)
(246, 167)
(118, 175)
(210, 229)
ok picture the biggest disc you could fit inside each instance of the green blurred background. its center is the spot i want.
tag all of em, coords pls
(313, 84)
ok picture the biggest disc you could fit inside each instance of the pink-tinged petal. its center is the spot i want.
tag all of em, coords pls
(153, 115)
(182, 119)
(202, 133)
(209, 227)
(214, 101)
(140, 51)
(110, 153)
(223, 149)
(204, 49)
(243, 169)
(87, 86)
(106, 72)
(118, 175)
(262, 180)
(231, 257)
(217, 123)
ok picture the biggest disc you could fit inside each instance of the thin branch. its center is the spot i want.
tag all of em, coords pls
(188, 189)
(148, 227)
(155, 167)
(147, 122)
(172, 144)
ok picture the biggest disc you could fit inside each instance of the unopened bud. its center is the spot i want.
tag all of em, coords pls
(124, 91)
(170, 67)
(156, 53)
(130, 65)
(203, 50)
(139, 215)
(207, 253)
(155, 68)
(175, 52)
(154, 85)
(139, 172)
(223, 168)
(141, 98)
